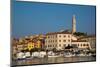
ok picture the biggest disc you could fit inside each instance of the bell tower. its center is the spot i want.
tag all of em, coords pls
(73, 24)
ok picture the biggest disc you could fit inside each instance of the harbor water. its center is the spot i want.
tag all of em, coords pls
(50, 60)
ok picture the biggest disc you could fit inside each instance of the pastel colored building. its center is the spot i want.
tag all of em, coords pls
(30, 45)
(60, 40)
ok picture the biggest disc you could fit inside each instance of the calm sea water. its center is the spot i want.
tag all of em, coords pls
(53, 60)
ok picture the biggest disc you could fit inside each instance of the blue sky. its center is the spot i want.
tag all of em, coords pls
(29, 18)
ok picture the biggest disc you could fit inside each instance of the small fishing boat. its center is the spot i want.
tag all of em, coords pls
(20, 56)
(35, 54)
(42, 54)
(27, 54)
(67, 55)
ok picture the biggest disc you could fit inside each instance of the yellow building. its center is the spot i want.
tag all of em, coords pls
(38, 45)
(30, 45)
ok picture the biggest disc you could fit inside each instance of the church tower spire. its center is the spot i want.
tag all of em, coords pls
(73, 24)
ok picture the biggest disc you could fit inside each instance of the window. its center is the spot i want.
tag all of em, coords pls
(49, 41)
(59, 40)
(64, 45)
(59, 45)
(48, 37)
(53, 45)
(68, 36)
(83, 44)
(87, 44)
(55, 40)
(68, 40)
(50, 45)
(56, 36)
(52, 40)
(78, 44)
(64, 35)
(59, 35)
(64, 40)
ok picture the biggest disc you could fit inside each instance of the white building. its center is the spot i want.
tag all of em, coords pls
(82, 44)
(60, 40)
(91, 39)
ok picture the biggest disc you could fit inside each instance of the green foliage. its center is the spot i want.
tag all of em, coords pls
(80, 34)
(54, 49)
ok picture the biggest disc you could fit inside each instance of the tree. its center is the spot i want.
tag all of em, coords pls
(54, 49)
(80, 34)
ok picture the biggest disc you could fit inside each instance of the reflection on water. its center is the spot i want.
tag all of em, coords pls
(52, 60)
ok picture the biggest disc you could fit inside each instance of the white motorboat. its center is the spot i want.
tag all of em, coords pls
(21, 55)
(81, 55)
(35, 54)
(27, 54)
(53, 56)
(51, 53)
(89, 54)
(73, 55)
(42, 54)
(67, 55)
